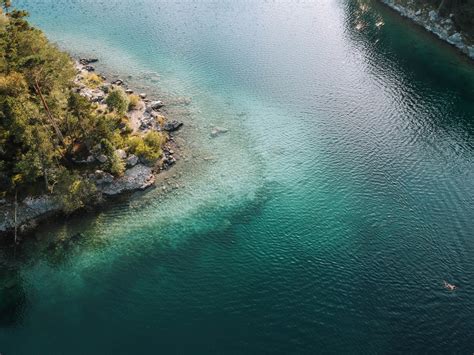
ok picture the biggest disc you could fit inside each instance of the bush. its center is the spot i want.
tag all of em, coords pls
(149, 147)
(73, 192)
(93, 80)
(154, 140)
(117, 101)
(115, 165)
(12, 84)
(134, 100)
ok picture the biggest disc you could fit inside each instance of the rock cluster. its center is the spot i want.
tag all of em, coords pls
(172, 126)
(443, 28)
(148, 117)
(87, 61)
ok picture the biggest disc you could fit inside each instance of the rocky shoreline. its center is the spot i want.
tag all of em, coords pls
(442, 27)
(139, 175)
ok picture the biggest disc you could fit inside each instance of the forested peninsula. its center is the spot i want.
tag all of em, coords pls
(68, 138)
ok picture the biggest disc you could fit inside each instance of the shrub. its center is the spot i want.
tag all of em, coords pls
(106, 147)
(73, 192)
(115, 165)
(117, 101)
(154, 140)
(134, 100)
(12, 84)
(148, 147)
(93, 80)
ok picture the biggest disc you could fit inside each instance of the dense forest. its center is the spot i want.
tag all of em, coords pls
(463, 11)
(46, 126)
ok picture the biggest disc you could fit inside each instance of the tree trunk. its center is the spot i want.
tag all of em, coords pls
(15, 216)
(441, 6)
(46, 180)
(48, 112)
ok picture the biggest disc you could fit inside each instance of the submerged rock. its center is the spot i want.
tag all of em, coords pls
(86, 61)
(156, 105)
(216, 131)
(172, 126)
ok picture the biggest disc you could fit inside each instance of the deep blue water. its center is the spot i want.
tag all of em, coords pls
(324, 221)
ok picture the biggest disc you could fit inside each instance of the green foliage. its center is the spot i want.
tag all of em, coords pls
(45, 127)
(149, 147)
(73, 192)
(134, 100)
(115, 165)
(92, 80)
(117, 100)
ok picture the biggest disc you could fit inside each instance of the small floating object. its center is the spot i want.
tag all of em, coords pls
(449, 286)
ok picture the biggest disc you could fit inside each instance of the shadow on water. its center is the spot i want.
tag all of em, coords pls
(13, 299)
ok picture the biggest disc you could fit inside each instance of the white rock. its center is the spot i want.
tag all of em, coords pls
(433, 15)
(470, 51)
(455, 38)
(121, 153)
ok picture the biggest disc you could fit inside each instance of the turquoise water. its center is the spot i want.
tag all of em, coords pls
(325, 220)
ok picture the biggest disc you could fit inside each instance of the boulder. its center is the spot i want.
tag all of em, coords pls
(121, 153)
(143, 96)
(172, 126)
(156, 105)
(132, 160)
(455, 38)
(129, 91)
(167, 161)
(139, 177)
(86, 61)
(102, 158)
(101, 177)
(118, 82)
(470, 52)
(418, 12)
(433, 15)
(89, 68)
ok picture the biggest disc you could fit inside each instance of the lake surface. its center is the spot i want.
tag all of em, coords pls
(324, 221)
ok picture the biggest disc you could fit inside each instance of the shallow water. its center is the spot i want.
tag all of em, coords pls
(325, 220)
